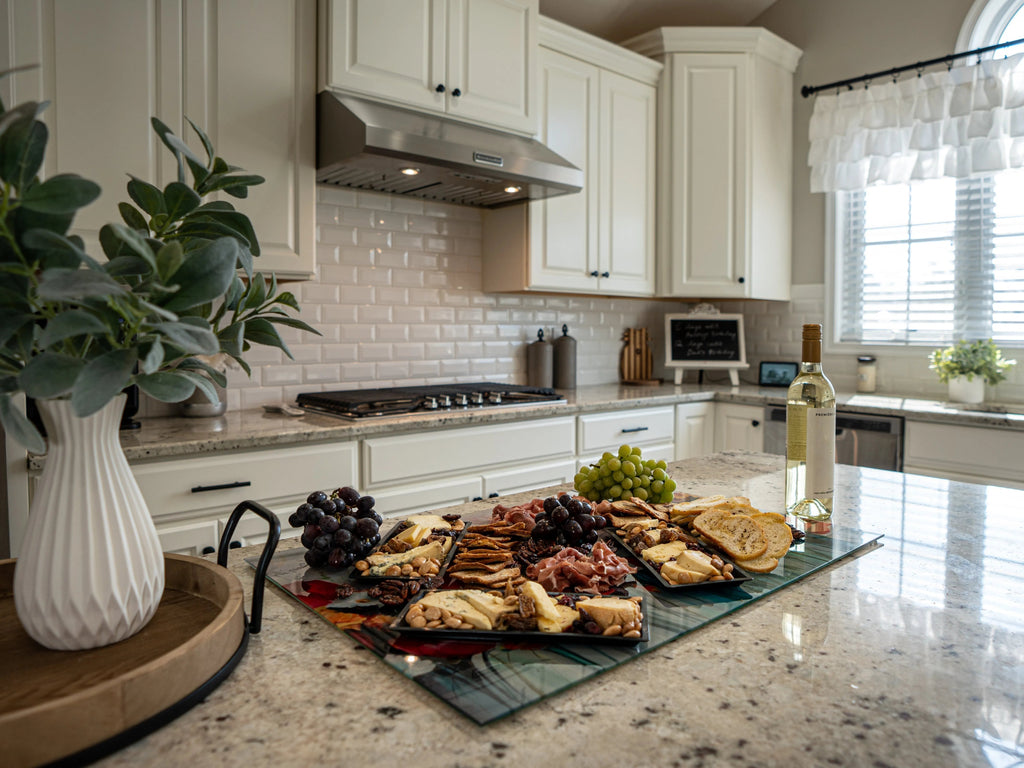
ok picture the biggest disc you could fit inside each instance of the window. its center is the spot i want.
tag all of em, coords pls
(931, 262)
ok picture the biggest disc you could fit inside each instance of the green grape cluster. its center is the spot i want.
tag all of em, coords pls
(623, 476)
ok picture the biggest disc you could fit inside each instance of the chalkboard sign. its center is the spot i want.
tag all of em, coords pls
(705, 341)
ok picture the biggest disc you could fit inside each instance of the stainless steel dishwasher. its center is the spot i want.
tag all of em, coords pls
(862, 439)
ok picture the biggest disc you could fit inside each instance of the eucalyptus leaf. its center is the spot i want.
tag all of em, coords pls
(191, 339)
(148, 197)
(131, 216)
(171, 141)
(125, 266)
(56, 250)
(166, 386)
(63, 193)
(261, 331)
(180, 199)
(76, 284)
(153, 358)
(135, 242)
(203, 384)
(239, 191)
(231, 339)
(169, 260)
(205, 275)
(22, 147)
(293, 322)
(17, 425)
(69, 324)
(207, 145)
(288, 299)
(50, 375)
(101, 380)
(10, 322)
(26, 220)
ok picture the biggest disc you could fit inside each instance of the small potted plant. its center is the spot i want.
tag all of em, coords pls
(76, 330)
(967, 366)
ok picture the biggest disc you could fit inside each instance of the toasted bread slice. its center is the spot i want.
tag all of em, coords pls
(759, 564)
(777, 531)
(739, 536)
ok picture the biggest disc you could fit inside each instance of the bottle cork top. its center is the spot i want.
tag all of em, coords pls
(812, 332)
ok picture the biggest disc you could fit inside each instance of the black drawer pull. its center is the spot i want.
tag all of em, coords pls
(635, 429)
(478, 498)
(492, 495)
(208, 550)
(222, 486)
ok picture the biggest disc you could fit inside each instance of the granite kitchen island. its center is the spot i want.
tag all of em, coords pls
(908, 653)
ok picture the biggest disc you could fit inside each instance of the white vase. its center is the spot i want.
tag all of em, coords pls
(91, 569)
(963, 391)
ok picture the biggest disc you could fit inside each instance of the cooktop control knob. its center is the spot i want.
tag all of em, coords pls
(444, 401)
(430, 403)
(477, 398)
(461, 400)
(494, 397)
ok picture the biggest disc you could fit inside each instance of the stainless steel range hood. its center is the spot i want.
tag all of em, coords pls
(367, 145)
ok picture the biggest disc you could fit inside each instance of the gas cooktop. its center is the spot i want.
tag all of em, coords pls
(395, 401)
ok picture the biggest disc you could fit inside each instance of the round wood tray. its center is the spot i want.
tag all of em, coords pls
(59, 704)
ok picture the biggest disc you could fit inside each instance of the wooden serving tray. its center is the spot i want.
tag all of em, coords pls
(57, 704)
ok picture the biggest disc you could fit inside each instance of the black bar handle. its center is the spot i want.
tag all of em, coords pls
(634, 429)
(256, 617)
(222, 486)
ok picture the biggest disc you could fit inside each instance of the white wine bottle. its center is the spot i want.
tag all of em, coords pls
(810, 435)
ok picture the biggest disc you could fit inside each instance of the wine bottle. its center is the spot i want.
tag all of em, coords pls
(810, 435)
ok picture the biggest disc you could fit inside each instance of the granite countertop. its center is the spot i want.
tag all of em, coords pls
(168, 437)
(907, 654)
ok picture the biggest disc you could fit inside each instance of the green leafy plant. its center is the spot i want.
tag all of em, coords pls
(177, 285)
(970, 358)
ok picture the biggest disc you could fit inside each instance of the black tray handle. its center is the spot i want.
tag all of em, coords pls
(256, 617)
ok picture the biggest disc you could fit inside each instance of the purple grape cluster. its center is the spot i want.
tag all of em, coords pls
(568, 521)
(337, 529)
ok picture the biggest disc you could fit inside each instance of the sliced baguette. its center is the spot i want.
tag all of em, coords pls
(777, 531)
(739, 536)
(760, 564)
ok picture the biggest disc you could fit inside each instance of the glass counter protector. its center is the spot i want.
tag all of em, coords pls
(486, 681)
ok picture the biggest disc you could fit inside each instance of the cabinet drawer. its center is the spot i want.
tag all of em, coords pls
(189, 538)
(605, 431)
(218, 483)
(409, 499)
(529, 478)
(658, 451)
(398, 458)
(978, 452)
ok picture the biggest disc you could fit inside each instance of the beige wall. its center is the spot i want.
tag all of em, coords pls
(841, 39)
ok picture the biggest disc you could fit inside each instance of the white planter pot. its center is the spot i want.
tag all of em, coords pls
(91, 570)
(963, 391)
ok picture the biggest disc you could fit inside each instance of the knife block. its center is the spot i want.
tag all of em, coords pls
(637, 364)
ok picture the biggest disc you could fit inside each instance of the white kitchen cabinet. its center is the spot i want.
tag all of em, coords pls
(597, 105)
(986, 455)
(192, 539)
(474, 60)
(725, 149)
(695, 430)
(243, 70)
(424, 470)
(739, 427)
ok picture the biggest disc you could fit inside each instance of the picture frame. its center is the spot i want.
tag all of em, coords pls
(705, 340)
(776, 373)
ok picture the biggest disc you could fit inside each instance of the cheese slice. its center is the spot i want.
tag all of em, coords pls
(454, 602)
(420, 527)
(674, 573)
(692, 560)
(662, 553)
(380, 562)
(564, 618)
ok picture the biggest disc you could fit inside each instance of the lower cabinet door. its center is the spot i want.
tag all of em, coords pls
(528, 478)
(401, 500)
(188, 538)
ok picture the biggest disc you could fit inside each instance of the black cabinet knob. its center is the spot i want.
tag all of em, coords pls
(755, 423)
(595, 273)
(741, 279)
(440, 88)
(478, 498)
(235, 545)
(208, 550)
(605, 274)
(492, 495)
(456, 93)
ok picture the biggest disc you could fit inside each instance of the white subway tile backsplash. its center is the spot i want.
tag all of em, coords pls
(399, 300)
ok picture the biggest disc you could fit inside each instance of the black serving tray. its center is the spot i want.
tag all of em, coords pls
(739, 575)
(398, 528)
(510, 636)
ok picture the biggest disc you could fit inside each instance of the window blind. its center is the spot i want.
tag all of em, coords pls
(931, 262)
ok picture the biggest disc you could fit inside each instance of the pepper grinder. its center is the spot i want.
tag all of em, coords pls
(565, 360)
(539, 362)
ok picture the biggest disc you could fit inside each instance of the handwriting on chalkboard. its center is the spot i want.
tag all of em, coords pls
(706, 339)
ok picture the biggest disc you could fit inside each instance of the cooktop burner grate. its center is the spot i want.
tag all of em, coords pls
(393, 401)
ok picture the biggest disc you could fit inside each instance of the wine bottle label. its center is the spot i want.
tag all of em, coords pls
(821, 452)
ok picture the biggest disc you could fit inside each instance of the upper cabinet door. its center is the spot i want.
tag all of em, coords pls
(243, 70)
(626, 182)
(708, 170)
(492, 60)
(563, 229)
(388, 49)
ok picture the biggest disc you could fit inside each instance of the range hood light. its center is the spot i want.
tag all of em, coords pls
(411, 171)
(512, 190)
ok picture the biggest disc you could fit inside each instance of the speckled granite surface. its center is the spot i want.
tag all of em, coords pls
(245, 430)
(910, 654)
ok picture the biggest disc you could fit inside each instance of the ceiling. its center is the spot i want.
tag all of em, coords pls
(618, 20)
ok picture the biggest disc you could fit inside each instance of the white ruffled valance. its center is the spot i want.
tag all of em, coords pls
(952, 123)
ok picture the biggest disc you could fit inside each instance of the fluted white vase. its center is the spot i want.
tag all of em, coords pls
(91, 569)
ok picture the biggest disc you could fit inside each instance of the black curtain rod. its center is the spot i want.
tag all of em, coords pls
(807, 90)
